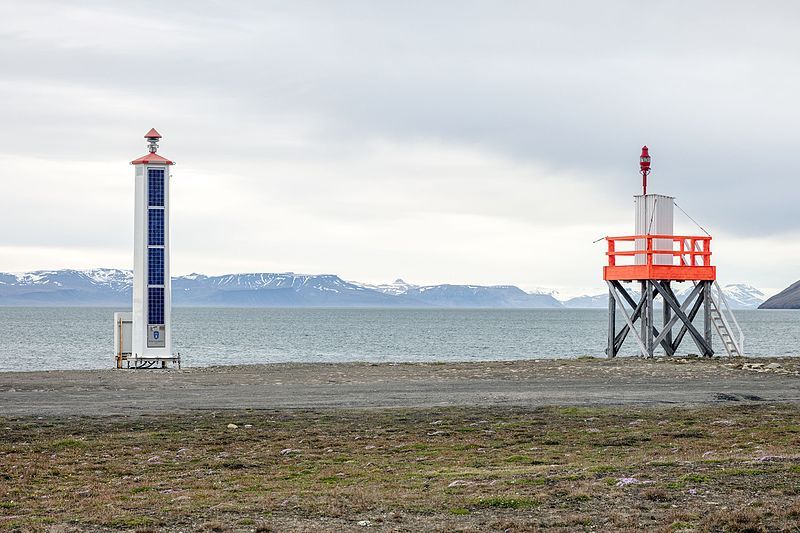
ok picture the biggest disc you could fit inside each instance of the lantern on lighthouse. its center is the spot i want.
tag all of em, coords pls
(644, 167)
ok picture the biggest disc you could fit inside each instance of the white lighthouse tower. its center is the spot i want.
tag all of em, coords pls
(149, 336)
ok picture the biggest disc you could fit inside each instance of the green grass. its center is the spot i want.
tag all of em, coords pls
(694, 478)
(67, 444)
(131, 521)
(524, 459)
(501, 502)
(518, 467)
(742, 472)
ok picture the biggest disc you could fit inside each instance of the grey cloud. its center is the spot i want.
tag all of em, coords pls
(575, 87)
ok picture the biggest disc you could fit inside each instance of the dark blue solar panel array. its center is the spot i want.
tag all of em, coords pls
(155, 242)
(155, 266)
(155, 307)
(155, 187)
(155, 227)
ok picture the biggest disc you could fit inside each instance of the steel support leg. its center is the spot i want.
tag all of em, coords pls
(643, 335)
(667, 316)
(707, 316)
(611, 351)
(650, 321)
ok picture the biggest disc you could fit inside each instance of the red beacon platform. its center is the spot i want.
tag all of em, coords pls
(660, 257)
(652, 259)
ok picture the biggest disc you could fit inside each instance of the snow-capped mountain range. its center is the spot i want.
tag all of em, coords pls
(96, 287)
(739, 296)
(113, 287)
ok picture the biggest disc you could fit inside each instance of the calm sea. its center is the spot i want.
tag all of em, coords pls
(62, 338)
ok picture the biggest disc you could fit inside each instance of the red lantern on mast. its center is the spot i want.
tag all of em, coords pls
(644, 167)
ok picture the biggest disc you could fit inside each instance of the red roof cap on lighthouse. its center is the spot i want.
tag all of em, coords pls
(154, 159)
(152, 137)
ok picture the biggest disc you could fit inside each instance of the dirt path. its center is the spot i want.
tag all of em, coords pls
(362, 385)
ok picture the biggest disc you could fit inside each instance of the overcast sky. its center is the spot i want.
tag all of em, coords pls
(464, 142)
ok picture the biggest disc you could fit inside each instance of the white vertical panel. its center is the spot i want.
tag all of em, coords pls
(167, 350)
(140, 267)
(139, 270)
(654, 216)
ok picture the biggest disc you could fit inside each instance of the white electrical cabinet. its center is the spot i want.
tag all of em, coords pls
(655, 216)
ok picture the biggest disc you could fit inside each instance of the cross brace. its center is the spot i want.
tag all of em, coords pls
(674, 313)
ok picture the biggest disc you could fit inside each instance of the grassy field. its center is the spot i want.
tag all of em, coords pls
(456, 469)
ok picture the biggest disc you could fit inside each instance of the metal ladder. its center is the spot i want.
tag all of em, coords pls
(722, 317)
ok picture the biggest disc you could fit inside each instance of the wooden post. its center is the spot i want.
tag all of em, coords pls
(611, 351)
(644, 314)
(612, 258)
(667, 316)
(650, 321)
(707, 316)
(119, 348)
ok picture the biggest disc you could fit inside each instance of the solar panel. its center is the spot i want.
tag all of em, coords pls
(155, 237)
(155, 266)
(155, 227)
(155, 187)
(155, 305)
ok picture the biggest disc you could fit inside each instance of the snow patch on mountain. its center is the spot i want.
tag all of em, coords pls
(111, 277)
(396, 288)
(744, 295)
(738, 295)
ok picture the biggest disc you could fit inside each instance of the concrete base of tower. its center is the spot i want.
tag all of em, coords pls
(124, 354)
(143, 363)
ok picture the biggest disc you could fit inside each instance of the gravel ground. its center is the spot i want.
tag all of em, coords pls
(553, 445)
(577, 382)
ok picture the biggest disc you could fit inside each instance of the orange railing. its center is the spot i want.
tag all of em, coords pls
(654, 257)
(692, 251)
